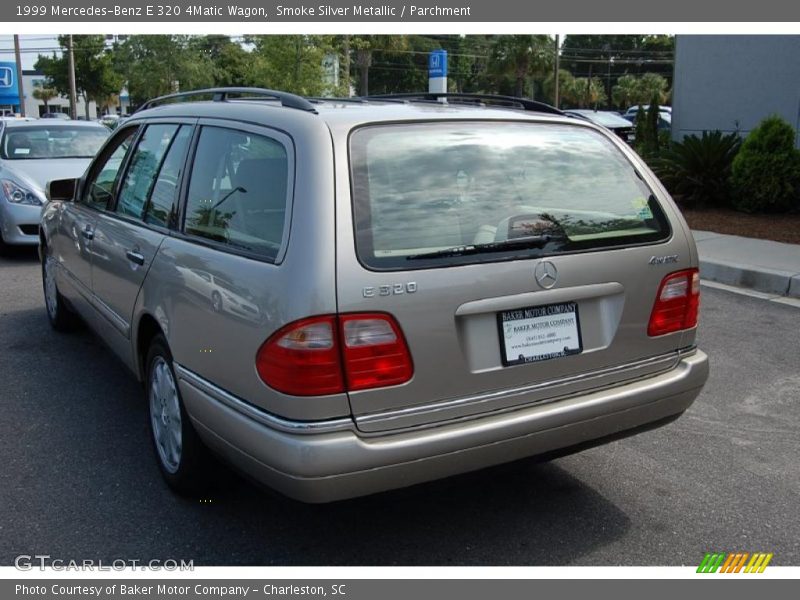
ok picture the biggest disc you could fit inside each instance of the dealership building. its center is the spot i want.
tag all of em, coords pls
(731, 82)
(31, 79)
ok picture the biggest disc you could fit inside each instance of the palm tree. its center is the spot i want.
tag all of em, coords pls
(520, 57)
(364, 46)
(45, 94)
(626, 92)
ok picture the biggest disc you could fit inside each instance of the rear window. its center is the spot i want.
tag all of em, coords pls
(434, 194)
(31, 143)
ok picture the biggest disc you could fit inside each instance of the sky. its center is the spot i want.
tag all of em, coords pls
(30, 48)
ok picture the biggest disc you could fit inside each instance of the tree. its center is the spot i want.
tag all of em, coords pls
(290, 62)
(567, 89)
(154, 65)
(631, 90)
(402, 66)
(643, 138)
(231, 64)
(627, 92)
(616, 56)
(95, 76)
(364, 46)
(518, 59)
(653, 114)
(467, 61)
(45, 94)
(583, 92)
(653, 86)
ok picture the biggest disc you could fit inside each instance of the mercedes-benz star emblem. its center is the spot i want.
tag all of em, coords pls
(546, 274)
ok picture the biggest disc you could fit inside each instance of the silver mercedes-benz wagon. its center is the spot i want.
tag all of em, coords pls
(343, 296)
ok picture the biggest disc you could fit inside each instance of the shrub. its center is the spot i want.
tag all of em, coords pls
(652, 123)
(647, 134)
(641, 130)
(698, 169)
(766, 172)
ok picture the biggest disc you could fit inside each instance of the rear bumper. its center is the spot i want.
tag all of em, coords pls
(328, 466)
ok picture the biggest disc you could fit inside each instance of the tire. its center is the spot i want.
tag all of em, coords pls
(60, 315)
(182, 457)
(4, 248)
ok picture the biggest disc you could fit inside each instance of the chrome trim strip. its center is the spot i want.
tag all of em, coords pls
(257, 414)
(76, 283)
(596, 290)
(112, 317)
(671, 359)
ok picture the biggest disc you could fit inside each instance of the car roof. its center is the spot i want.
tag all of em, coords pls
(340, 113)
(51, 123)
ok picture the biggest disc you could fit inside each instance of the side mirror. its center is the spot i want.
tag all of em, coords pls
(62, 190)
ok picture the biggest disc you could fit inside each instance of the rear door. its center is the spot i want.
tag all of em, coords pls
(127, 237)
(516, 258)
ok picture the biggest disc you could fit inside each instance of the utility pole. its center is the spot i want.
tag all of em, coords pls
(73, 94)
(607, 48)
(346, 52)
(19, 76)
(557, 99)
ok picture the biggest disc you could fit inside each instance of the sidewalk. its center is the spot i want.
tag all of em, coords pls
(763, 265)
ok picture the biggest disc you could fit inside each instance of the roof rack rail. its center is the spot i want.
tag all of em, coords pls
(510, 101)
(321, 99)
(221, 95)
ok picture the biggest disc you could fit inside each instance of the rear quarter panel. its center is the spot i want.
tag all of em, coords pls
(221, 345)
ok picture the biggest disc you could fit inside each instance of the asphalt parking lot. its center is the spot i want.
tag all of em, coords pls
(78, 479)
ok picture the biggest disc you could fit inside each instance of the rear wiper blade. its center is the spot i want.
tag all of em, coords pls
(520, 243)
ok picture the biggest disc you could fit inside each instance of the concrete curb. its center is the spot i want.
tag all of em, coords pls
(762, 279)
(762, 265)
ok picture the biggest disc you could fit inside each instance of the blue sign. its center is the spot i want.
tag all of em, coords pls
(9, 86)
(437, 63)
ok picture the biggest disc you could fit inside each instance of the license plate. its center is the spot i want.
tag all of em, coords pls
(539, 333)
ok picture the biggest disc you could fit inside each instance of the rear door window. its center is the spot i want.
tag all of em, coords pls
(144, 165)
(238, 191)
(432, 194)
(162, 203)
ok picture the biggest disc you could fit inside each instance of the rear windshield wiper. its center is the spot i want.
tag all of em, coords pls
(520, 243)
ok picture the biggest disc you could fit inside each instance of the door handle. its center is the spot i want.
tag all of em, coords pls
(135, 257)
(88, 233)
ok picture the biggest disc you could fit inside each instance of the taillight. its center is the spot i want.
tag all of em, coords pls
(374, 350)
(332, 354)
(677, 303)
(302, 358)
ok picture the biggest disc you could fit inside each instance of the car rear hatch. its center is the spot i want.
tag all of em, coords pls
(520, 260)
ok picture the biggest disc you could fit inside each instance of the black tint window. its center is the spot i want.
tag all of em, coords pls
(237, 192)
(100, 188)
(142, 171)
(165, 190)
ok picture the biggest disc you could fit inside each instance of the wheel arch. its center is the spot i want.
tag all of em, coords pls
(147, 329)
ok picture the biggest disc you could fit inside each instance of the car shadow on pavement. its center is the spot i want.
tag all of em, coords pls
(81, 481)
(18, 255)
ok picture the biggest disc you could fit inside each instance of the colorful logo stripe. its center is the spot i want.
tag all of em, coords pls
(734, 562)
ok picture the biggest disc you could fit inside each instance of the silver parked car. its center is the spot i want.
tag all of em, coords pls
(416, 286)
(32, 153)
